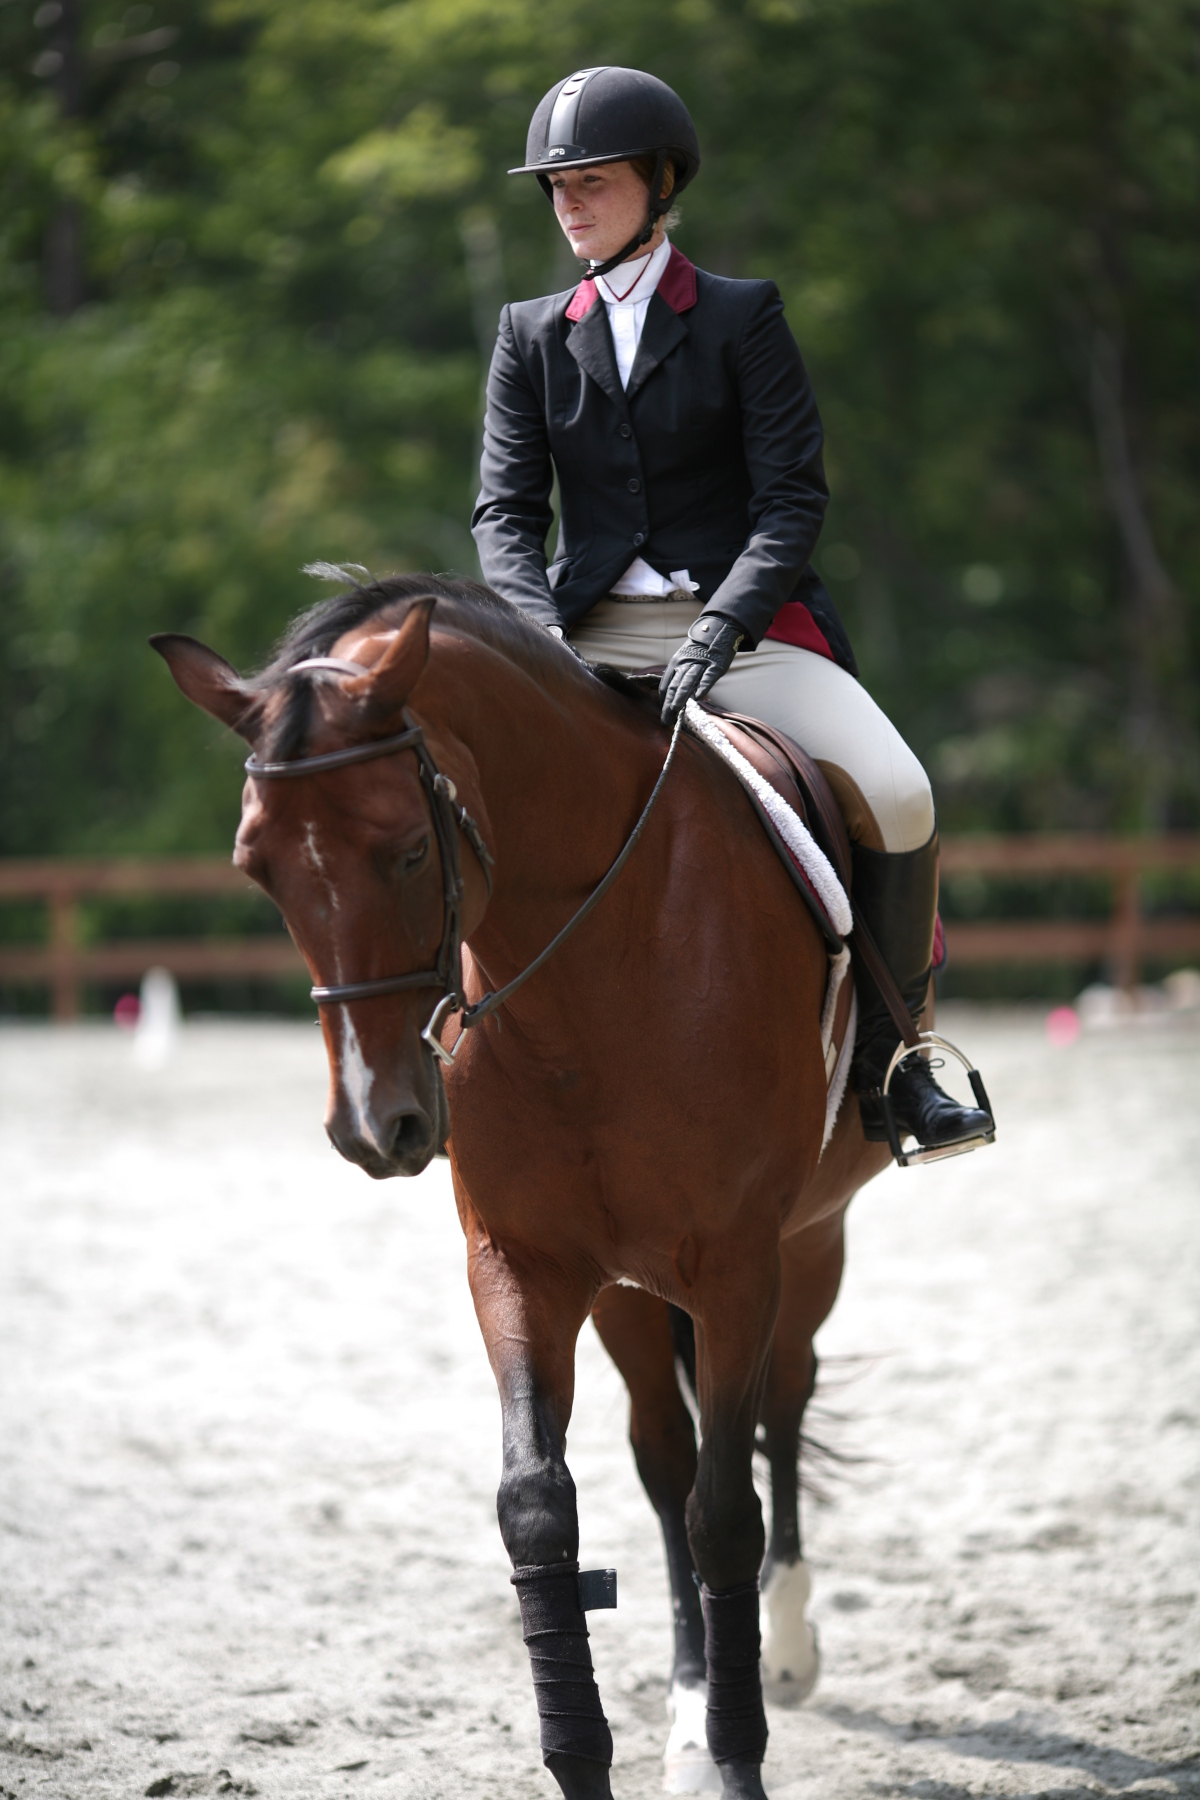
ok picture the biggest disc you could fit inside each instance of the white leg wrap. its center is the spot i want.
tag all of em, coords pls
(790, 1658)
(688, 1768)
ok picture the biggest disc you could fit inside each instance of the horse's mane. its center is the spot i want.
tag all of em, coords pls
(463, 605)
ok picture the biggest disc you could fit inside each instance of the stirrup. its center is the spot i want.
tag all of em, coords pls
(934, 1152)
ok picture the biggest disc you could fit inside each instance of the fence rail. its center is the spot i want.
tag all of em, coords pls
(1124, 941)
(65, 964)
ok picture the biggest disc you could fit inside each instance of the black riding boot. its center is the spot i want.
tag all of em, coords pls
(896, 897)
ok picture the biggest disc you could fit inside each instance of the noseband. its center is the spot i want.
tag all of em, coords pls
(448, 820)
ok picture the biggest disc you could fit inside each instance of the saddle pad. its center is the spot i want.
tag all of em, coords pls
(817, 881)
(794, 775)
(784, 817)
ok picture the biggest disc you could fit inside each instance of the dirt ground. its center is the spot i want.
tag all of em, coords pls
(251, 1443)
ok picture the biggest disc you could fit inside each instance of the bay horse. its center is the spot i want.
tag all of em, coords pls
(637, 1128)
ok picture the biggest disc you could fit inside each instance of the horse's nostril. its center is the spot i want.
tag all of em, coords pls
(410, 1136)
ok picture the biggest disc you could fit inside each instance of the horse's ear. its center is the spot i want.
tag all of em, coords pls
(387, 683)
(208, 681)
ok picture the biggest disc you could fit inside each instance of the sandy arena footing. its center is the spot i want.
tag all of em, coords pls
(251, 1446)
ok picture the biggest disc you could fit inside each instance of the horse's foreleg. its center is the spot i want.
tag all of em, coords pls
(811, 1268)
(530, 1318)
(735, 1317)
(635, 1329)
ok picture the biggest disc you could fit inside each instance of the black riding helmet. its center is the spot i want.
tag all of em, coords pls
(610, 115)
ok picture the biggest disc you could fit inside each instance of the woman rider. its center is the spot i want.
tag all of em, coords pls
(675, 409)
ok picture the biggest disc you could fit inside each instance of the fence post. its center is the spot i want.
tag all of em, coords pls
(1127, 929)
(64, 940)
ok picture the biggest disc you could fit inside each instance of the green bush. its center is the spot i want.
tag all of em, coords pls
(294, 230)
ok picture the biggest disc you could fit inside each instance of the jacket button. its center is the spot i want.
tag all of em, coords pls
(627, 431)
(639, 537)
(634, 485)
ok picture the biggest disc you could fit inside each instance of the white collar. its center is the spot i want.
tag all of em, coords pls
(636, 281)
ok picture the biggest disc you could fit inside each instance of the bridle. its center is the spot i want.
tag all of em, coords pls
(448, 820)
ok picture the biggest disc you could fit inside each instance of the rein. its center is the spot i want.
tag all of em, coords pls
(448, 820)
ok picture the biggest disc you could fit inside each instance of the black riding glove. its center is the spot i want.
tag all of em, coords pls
(699, 664)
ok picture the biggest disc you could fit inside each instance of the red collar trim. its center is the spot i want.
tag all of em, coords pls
(583, 300)
(677, 286)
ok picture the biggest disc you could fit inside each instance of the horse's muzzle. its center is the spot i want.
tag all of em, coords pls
(399, 1134)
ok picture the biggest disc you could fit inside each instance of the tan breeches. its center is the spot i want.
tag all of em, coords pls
(881, 787)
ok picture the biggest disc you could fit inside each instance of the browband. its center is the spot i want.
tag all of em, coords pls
(334, 759)
(336, 665)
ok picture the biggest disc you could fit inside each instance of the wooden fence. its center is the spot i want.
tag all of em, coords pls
(65, 964)
(1123, 941)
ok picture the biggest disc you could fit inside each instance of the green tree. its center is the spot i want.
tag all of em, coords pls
(287, 233)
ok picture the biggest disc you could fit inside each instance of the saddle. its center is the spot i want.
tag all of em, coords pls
(800, 784)
(799, 781)
(804, 826)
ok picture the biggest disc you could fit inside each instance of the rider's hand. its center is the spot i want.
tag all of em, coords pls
(699, 663)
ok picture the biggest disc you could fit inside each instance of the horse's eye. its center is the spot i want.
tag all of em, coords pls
(412, 859)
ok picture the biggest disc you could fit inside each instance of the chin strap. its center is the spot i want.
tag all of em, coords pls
(657, 209)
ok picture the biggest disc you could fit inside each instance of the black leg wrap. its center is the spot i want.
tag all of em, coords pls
(553, 1626)
(737, 1723)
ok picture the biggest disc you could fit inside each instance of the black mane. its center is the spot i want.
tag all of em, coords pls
(464, 605)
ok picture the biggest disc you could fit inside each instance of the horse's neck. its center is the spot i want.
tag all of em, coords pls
(563, 770)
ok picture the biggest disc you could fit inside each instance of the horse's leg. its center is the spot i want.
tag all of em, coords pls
(736, 1302)
(812, 1271)
(530, 1313)
(635, 1329)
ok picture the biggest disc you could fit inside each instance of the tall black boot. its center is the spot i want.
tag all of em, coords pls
(896, 898)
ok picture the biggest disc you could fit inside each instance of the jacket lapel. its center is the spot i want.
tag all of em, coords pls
(590, 343)
(660, 334)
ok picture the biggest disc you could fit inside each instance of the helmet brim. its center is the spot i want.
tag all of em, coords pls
(685, 165)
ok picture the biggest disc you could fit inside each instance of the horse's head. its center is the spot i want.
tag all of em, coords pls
(351, 858)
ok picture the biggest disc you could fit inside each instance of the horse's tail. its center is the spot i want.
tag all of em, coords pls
(821, 1460)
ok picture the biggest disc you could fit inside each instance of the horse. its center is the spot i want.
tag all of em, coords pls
(634, 1132)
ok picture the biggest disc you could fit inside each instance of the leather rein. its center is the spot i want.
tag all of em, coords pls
(449, 819)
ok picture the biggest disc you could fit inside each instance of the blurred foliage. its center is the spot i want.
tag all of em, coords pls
(251, 255)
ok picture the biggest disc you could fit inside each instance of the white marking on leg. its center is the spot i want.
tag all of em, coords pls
(688, 1767)
(790, 1658)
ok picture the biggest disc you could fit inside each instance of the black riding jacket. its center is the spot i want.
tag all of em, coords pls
(710, 460)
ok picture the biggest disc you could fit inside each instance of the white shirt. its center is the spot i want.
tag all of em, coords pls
(626, 292)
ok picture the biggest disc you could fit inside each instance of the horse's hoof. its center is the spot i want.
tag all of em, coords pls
(742, 1781)
(688, 1767)
(791, 1659)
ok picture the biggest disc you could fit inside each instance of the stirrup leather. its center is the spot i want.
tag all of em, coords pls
(933, 1152)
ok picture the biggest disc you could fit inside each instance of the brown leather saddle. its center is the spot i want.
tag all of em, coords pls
(798, 781)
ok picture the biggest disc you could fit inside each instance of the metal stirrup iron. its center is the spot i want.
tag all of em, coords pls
(925, 1153)
(911, 1042)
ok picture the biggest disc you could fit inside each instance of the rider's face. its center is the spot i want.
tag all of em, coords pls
(601, 208)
